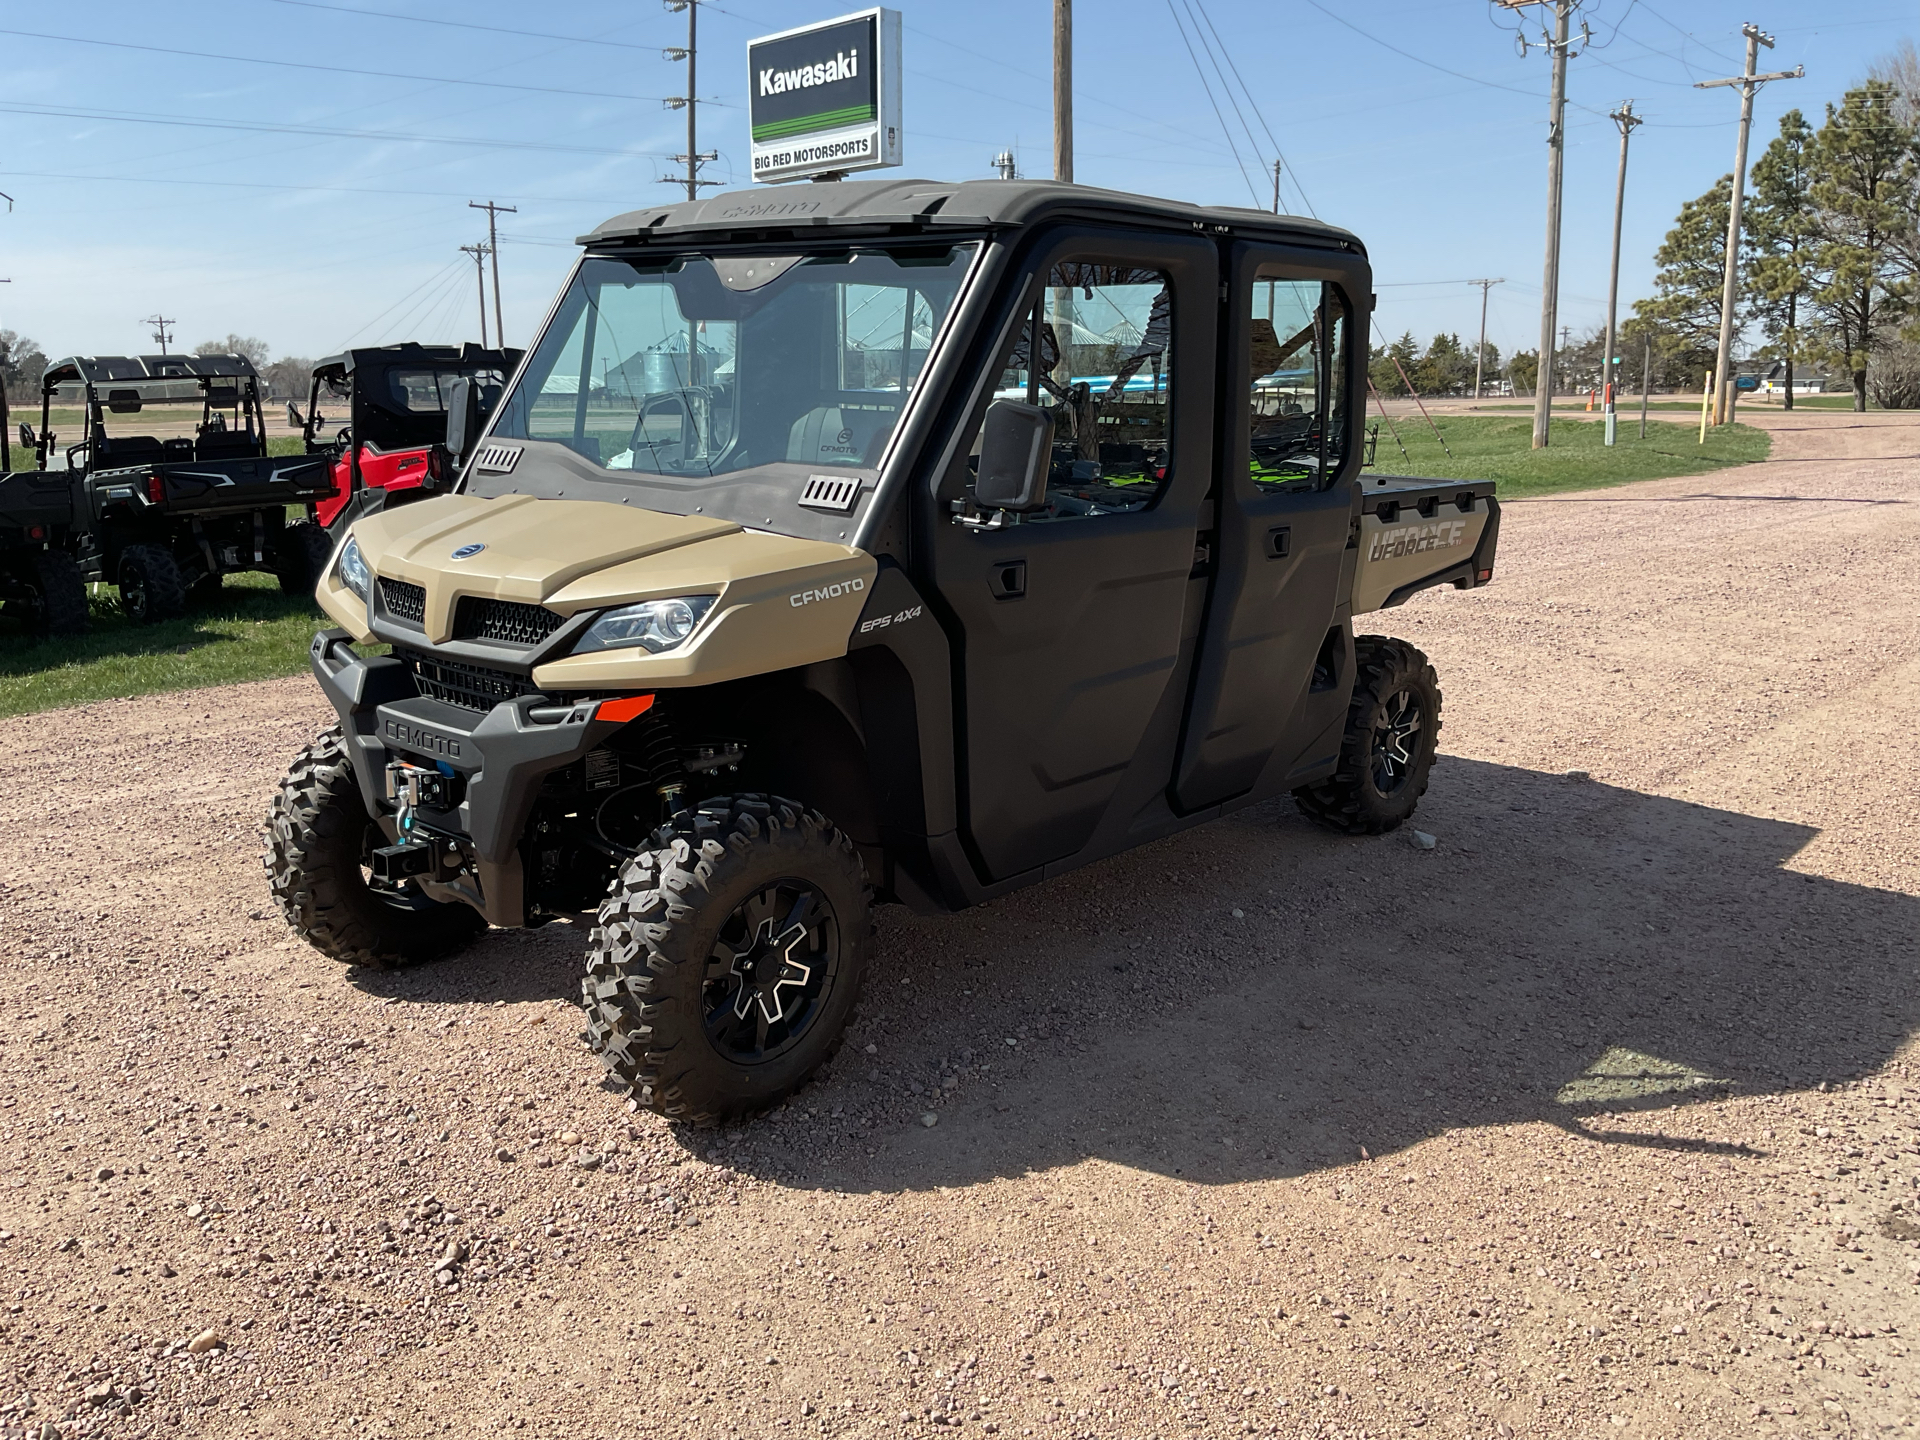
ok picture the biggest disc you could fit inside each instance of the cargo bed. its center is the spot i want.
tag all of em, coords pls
(1415, 534)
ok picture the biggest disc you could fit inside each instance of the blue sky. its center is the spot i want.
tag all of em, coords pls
(158, 164)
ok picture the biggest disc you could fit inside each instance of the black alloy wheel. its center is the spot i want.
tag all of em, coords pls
(1387, 753)
(772, 970)
(1396, 741)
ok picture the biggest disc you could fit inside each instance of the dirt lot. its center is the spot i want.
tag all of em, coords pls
(1600, 1118)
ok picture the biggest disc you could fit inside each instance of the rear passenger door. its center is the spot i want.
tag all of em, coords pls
(1270, 682)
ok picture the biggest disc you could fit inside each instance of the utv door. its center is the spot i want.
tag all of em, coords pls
(1274, 666)
(1072, 619)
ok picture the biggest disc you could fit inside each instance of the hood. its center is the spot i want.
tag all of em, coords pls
(515, 547)
(780, 600)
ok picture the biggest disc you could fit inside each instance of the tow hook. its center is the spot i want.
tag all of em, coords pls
(418, 856)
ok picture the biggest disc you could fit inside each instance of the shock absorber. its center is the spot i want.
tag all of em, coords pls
(656, 750)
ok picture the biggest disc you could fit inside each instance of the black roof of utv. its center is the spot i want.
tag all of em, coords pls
(101, 369)
(930, 207)
(428, 357)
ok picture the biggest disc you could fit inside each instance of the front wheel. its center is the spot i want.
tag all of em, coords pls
(319, 843)
(1393, 726)
(726, 964)
(300, 558)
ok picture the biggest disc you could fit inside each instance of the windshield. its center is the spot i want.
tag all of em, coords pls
(693, 368)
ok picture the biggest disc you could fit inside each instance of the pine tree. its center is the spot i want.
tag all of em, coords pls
(1865, 164)
(1684, 312)
(1783, 226)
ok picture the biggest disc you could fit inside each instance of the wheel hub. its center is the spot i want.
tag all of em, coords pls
(1396, 740)
(770, 971)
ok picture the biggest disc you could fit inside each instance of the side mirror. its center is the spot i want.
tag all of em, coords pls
(26, 435)
(463, 416)
(1016, 451)
(294, 419)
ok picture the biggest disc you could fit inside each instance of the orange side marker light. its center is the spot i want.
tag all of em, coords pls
(628, 707)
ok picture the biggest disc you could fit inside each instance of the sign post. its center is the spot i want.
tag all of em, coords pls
(824, 99)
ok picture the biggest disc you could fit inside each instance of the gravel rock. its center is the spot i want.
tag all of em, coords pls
(203, 1342)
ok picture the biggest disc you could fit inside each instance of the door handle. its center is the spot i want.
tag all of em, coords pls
(1279, 542)
(1008, 580)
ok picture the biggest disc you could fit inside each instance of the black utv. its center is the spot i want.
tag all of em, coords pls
(171, 513)
(871, 541)
(41, 583)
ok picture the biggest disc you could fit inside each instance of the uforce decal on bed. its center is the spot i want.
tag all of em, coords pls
(1391, 544)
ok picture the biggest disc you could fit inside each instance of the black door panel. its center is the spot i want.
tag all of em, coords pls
(1280, 549)
(1068, 631)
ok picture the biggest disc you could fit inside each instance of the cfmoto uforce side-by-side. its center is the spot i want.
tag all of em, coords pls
(872, 541)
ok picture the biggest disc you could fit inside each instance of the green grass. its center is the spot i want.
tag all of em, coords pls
(1485, 448)
(252, 632)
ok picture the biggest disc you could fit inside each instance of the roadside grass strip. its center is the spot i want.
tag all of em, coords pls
(1486, 448)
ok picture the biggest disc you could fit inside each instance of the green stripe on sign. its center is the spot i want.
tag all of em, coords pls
(831, 119)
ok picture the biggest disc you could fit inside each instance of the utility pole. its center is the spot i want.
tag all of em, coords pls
(1004, 163)
(1063, 90)
(493, 248)
(479, 253)
(1276, 187)
(1480, 355)
(1626, 120)
(1560, 48)
(690, 102)
(160, 324)
(1748, 83)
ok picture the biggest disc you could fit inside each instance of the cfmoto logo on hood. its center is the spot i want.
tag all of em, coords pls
(467, 552)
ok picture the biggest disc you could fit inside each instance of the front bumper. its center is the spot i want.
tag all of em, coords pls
(502, 754)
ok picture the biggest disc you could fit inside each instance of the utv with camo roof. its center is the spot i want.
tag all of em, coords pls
(872, 541)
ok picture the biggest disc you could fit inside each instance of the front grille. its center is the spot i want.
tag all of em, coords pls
(504, 620)
(408, 602)
(472, 687)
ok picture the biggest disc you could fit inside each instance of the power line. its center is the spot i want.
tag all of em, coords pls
(262, 128)
(298, 189)
(327, 69)
(466, 25)
(1207, 86)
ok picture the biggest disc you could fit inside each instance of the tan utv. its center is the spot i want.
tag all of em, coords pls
(887, 541)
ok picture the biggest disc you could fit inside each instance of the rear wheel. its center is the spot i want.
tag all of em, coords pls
(726, 964)
(57, 599)
(301, 557)
(1393, 725)
(319, 842)
(151, 587)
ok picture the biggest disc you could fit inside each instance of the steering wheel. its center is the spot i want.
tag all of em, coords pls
(652, 402)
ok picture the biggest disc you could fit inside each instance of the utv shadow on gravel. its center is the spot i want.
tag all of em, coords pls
(1676, 959)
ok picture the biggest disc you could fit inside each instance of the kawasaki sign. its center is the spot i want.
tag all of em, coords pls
(826, 97)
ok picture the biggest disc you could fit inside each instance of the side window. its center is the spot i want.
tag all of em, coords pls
(1298, 401)
(1104, 338)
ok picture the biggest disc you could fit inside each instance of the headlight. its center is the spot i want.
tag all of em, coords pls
(351, 567)
(656, 625)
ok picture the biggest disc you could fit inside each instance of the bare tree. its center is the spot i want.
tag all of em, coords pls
(255, 349)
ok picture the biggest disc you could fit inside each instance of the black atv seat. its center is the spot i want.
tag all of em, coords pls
(224, 445)
(118, 451)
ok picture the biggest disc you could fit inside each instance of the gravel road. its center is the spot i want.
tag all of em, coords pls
(1598, 1118)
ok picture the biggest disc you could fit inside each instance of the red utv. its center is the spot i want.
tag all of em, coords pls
(393, 446)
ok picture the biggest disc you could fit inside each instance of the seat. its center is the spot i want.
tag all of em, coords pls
(829, 435)
(116, 452)
(224, 445)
